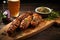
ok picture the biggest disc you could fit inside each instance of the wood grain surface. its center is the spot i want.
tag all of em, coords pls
(57, 20)
(30, 31)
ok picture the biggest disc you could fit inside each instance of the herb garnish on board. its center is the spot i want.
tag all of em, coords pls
(53, 15)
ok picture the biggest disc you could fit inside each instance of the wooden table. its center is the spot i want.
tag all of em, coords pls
(52, 33)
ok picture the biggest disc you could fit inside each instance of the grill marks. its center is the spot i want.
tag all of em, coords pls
(24, 20)
(16, 23)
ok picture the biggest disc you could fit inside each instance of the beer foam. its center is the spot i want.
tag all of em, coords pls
(13, 0)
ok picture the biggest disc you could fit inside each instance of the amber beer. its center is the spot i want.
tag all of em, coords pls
(14, 6)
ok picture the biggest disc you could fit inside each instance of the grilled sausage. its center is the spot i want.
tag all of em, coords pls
(25, 23)
(16, 23)
(36, 19)
(24, 15)
(13, 26)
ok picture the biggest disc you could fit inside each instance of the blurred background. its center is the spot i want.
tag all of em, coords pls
(37, 1)
(49, 3)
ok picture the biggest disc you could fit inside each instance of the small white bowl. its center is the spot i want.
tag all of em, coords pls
(50, 10)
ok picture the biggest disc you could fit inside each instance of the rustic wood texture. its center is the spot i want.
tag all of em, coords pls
(30, 32)
(57, 20)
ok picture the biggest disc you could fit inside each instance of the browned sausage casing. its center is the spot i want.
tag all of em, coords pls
(16, 23)
(36, 19)
(25, 23)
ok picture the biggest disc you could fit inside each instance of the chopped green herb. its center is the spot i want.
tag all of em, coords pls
(26, 20)
(53, 15)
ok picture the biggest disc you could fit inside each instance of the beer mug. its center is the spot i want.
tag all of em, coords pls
(14, 6)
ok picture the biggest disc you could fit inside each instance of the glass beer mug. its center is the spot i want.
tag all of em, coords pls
(14, 6)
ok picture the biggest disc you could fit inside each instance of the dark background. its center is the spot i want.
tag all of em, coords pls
(54, 4)
(37, 1)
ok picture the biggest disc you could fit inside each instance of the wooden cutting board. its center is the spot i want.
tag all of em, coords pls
(58, 20)
(30, 31)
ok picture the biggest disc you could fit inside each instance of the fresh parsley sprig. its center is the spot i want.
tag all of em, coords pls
(53, 15)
